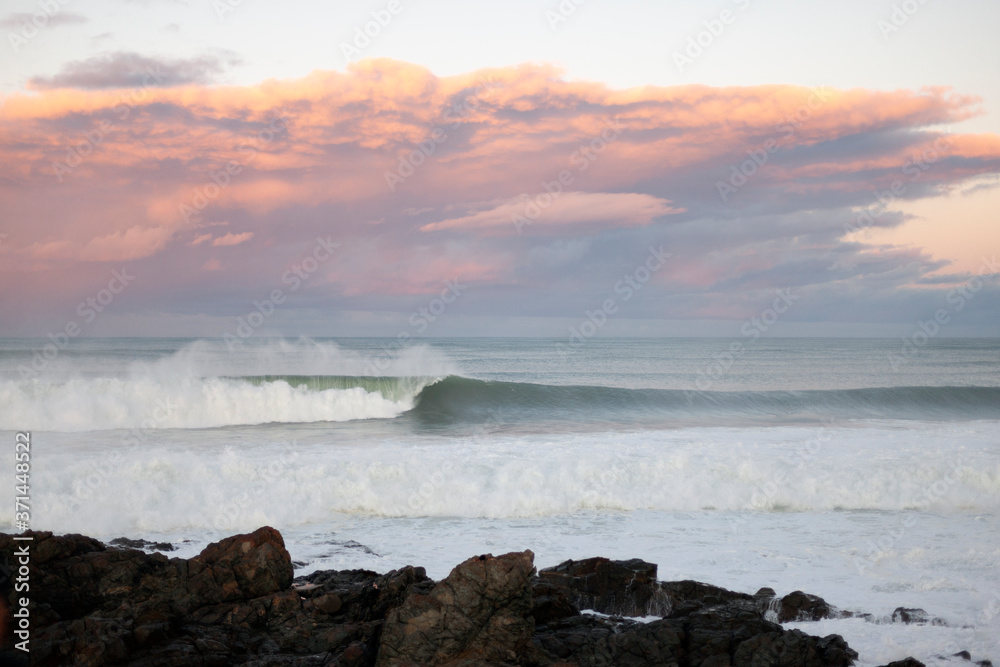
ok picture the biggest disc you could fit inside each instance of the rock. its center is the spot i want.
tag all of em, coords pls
(94, 605)
(906, 662)
(765, 594)
(355, 655)
(365, 596)
(624, 588)
(480, 612)
(904, 615)
(864, 616)
(914, 616)
(657, 643)
(693, 595)
(965, 655)
(566, 638)
(739, 633)
(246, 566)
(141, 544)
(799, 606)
(551, 602)
(236, 604)
(720, 635)
(328, 604)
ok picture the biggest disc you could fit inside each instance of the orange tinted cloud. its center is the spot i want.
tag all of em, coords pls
(232, 239)
(562, 208)
(444, 163)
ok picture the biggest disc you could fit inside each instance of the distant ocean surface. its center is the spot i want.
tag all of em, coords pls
(859, 470)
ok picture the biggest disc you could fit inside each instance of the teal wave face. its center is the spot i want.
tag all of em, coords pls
(455, 399)
(464, 399)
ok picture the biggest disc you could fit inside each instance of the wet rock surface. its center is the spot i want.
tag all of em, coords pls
(141, 544)
(625, 588)
(237, 603)
(914, 616)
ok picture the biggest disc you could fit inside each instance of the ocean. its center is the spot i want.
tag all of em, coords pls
(863, 471)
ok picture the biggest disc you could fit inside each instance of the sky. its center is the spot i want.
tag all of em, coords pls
(443, 168)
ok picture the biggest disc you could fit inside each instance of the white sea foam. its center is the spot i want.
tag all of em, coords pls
(878, 516)
(199, 387)
(737, 471)
(179, 401)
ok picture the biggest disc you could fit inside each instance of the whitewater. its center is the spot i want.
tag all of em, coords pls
(818, 465)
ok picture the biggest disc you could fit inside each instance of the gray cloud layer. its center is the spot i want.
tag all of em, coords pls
(124, 69)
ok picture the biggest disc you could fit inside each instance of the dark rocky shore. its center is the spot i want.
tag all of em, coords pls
(237, 603)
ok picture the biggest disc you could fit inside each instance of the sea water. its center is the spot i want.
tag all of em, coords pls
(857, 470)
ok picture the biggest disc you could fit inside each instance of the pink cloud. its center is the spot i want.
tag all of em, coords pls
(232, 239)
(134, 243)
(607, 209)
(48, 250)
(305, 158)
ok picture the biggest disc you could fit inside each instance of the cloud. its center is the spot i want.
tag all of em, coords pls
(45, 250)
(582, 209)
(18, 19)
(124, 69)
(750, 188)
(232, 239)
(134, 243)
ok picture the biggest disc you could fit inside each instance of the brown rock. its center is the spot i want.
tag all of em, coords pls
(246, 566)
(480, 612)
(233, 605)
(799, 606)
(551, 602)
(328, 604)
(686, 596)
(625, 588)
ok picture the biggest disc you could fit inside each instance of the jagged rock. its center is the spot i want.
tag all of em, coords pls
(236, 604)
(743, 636)
(246, 566)
(479, 612)
(906, 662)
(328, 604)
(657, 643)
(914, 616)
(799, 606)
(141, 544)
(687, 596)
(624, 588)
(95, 605)
(709, 635)
(965, 655)
(904, 615)
(365, 596)
(551, 602)
(567, 637)
(765, 594)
